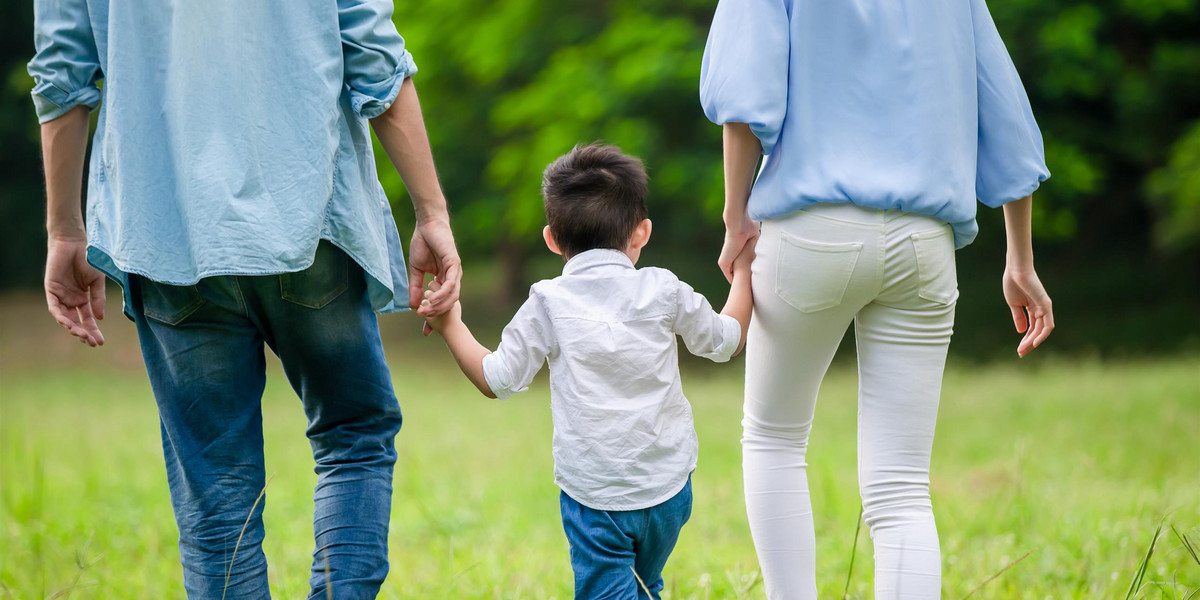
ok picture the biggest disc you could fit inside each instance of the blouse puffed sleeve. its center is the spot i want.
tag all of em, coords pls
(373, 55)
(66, 64)
(744, 73)
(1011, 160)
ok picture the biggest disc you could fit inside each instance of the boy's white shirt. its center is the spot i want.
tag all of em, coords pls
(623, 433)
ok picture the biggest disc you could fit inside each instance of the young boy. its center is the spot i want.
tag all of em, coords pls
(624, 444)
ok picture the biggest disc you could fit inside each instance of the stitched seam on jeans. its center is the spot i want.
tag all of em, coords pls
(287, 293)
(178, 316)
(241, 297)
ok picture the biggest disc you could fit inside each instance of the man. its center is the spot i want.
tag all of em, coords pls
(232, 193)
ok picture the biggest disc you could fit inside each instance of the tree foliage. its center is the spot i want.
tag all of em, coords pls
(507, 86)
(1115, 84)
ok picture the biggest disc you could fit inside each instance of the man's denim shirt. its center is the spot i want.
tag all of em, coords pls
(232, 135)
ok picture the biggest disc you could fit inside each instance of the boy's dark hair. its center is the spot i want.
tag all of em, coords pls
(594, 197)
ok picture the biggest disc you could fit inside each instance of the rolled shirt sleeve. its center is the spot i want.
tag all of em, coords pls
(1011, 161)
(524, 345)
(705, 332)
(375, 61)
(744, 73)
(66, 64)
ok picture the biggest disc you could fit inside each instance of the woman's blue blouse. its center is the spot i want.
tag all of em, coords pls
(900, 104)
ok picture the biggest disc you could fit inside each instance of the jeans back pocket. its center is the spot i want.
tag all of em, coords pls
(321, 283)
(813, 276)
(168, 304)
(937, 280)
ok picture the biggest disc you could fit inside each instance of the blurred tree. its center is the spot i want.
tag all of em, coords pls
(508, 86)
(518, 83)
(1113, 84)
(1175, 191)
(22, 196)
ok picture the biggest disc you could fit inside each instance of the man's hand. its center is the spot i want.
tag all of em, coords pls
(1032, 312)
(433, 251)
(74, 290)
(738, 234)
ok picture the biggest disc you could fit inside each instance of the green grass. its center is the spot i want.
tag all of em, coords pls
(1076, 463)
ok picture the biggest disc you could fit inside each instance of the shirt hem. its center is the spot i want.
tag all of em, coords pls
(102, 259)
(674, 489)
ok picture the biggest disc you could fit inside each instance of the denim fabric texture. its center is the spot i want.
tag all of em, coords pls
(609, 546)
(204, 350)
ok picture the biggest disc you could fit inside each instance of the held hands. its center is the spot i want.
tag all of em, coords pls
(439, 322)
(433, 251)
(741, 264)
(739, 234)
(74, 290)
(1031, 308)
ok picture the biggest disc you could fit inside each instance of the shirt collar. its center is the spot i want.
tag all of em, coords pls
(596, 258)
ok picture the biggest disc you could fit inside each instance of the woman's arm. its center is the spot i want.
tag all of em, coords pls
(742, 152)
(1031, 308)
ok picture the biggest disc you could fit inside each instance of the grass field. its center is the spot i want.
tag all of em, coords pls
(1072, 462)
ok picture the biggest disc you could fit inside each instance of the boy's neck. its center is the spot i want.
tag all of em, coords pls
(633, 254)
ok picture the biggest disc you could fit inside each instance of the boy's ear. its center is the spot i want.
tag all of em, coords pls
(641, 234)
(550, 243)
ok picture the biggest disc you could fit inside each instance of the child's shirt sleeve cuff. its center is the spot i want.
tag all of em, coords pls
(499, 377)
(731, 338)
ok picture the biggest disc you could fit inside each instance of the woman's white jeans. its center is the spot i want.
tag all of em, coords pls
(816, 270)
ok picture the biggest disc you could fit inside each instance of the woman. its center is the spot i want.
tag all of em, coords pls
(880, 123)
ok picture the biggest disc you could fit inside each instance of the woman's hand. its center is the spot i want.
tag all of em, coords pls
(1023, 291)
(738, 233)
(1032, 312)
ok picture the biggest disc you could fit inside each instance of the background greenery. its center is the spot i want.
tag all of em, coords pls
(507, 86)
(1073, 462)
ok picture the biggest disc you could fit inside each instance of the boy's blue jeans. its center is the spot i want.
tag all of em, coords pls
(608, 546)
(203, 347)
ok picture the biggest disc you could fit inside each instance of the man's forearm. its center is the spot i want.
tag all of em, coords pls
(1018, 228)
(64, 145)
(468, 353)
(401, 131)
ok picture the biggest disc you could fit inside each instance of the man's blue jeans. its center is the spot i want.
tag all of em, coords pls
(609, 546)
(203, 347)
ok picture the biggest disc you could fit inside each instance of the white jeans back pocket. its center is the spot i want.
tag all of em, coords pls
(813, 276)
(936, 275)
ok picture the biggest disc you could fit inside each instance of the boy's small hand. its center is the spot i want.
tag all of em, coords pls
(746, 257)
(440, 322)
